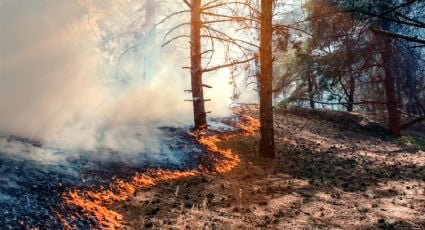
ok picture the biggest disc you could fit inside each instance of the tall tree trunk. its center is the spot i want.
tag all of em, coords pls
(389, 82)
(390, 94)
(267, 148)
(199, 114)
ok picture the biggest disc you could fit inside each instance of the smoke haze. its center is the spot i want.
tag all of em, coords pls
(59, 83)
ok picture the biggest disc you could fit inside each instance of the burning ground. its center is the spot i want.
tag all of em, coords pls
(37, 194)
(334, 170)
(76, 191)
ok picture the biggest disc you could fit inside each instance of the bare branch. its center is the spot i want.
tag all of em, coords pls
(171, 15)
(342, 103)
(226, 65)
(401, 36)
(187, 3)
(172, 39)
(235, 18)
(281, 26)
(407, 3)
(205, 8)
(173, 29)
(227, 37)
(411, 122)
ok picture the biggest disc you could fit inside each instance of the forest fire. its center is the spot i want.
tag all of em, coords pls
(247, 126)
(96, 203)
(115, 114)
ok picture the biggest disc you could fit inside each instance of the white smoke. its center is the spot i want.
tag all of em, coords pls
(60, 81)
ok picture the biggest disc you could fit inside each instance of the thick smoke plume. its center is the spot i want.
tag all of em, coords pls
(63, 80)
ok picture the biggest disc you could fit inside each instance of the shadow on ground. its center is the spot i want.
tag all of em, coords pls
(333, 170)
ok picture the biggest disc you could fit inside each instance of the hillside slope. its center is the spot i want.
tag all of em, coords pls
(334, 170)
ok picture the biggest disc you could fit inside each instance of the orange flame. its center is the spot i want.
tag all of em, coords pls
(95, 203)
(249, 125)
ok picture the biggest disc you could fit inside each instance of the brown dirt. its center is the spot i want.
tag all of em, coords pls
(334, 170)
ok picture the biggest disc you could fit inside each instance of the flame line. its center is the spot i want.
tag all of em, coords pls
(94, 204)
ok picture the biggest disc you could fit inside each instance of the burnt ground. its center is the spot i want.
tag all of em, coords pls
(31, 191)
(334, 170)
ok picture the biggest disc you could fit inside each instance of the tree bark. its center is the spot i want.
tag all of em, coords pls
(200, 117)
(352, 85)
(310, 87)
(389, 85)
(267, 147)
(399, 93)
(351, 79)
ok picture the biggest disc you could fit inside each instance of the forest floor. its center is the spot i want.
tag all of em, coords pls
(334, 170)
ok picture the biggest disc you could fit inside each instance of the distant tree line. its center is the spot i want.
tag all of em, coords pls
(358, 55)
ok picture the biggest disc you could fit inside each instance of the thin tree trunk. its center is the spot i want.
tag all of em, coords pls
(351, 79)
(310, 87)
(150, 12)
(267, 148)
(412, 83)
(149, 56)
(199, 114)
(257, 70)
(352, 85)
(399, 91)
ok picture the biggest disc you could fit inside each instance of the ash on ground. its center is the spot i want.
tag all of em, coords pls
(30, 190)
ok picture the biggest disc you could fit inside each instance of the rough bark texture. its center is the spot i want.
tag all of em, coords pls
(199, 114)
(267, 148)
(390, 94)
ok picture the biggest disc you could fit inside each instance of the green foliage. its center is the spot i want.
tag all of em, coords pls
(287, 71)
(340, 60)
(283, 105)
(413, 141)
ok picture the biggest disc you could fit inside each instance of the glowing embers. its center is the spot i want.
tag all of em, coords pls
(247, 125)
(226, 160)
(94, 204)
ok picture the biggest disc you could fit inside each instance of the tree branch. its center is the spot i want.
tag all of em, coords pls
(401, 36)
(187, 3)
(226, 65)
